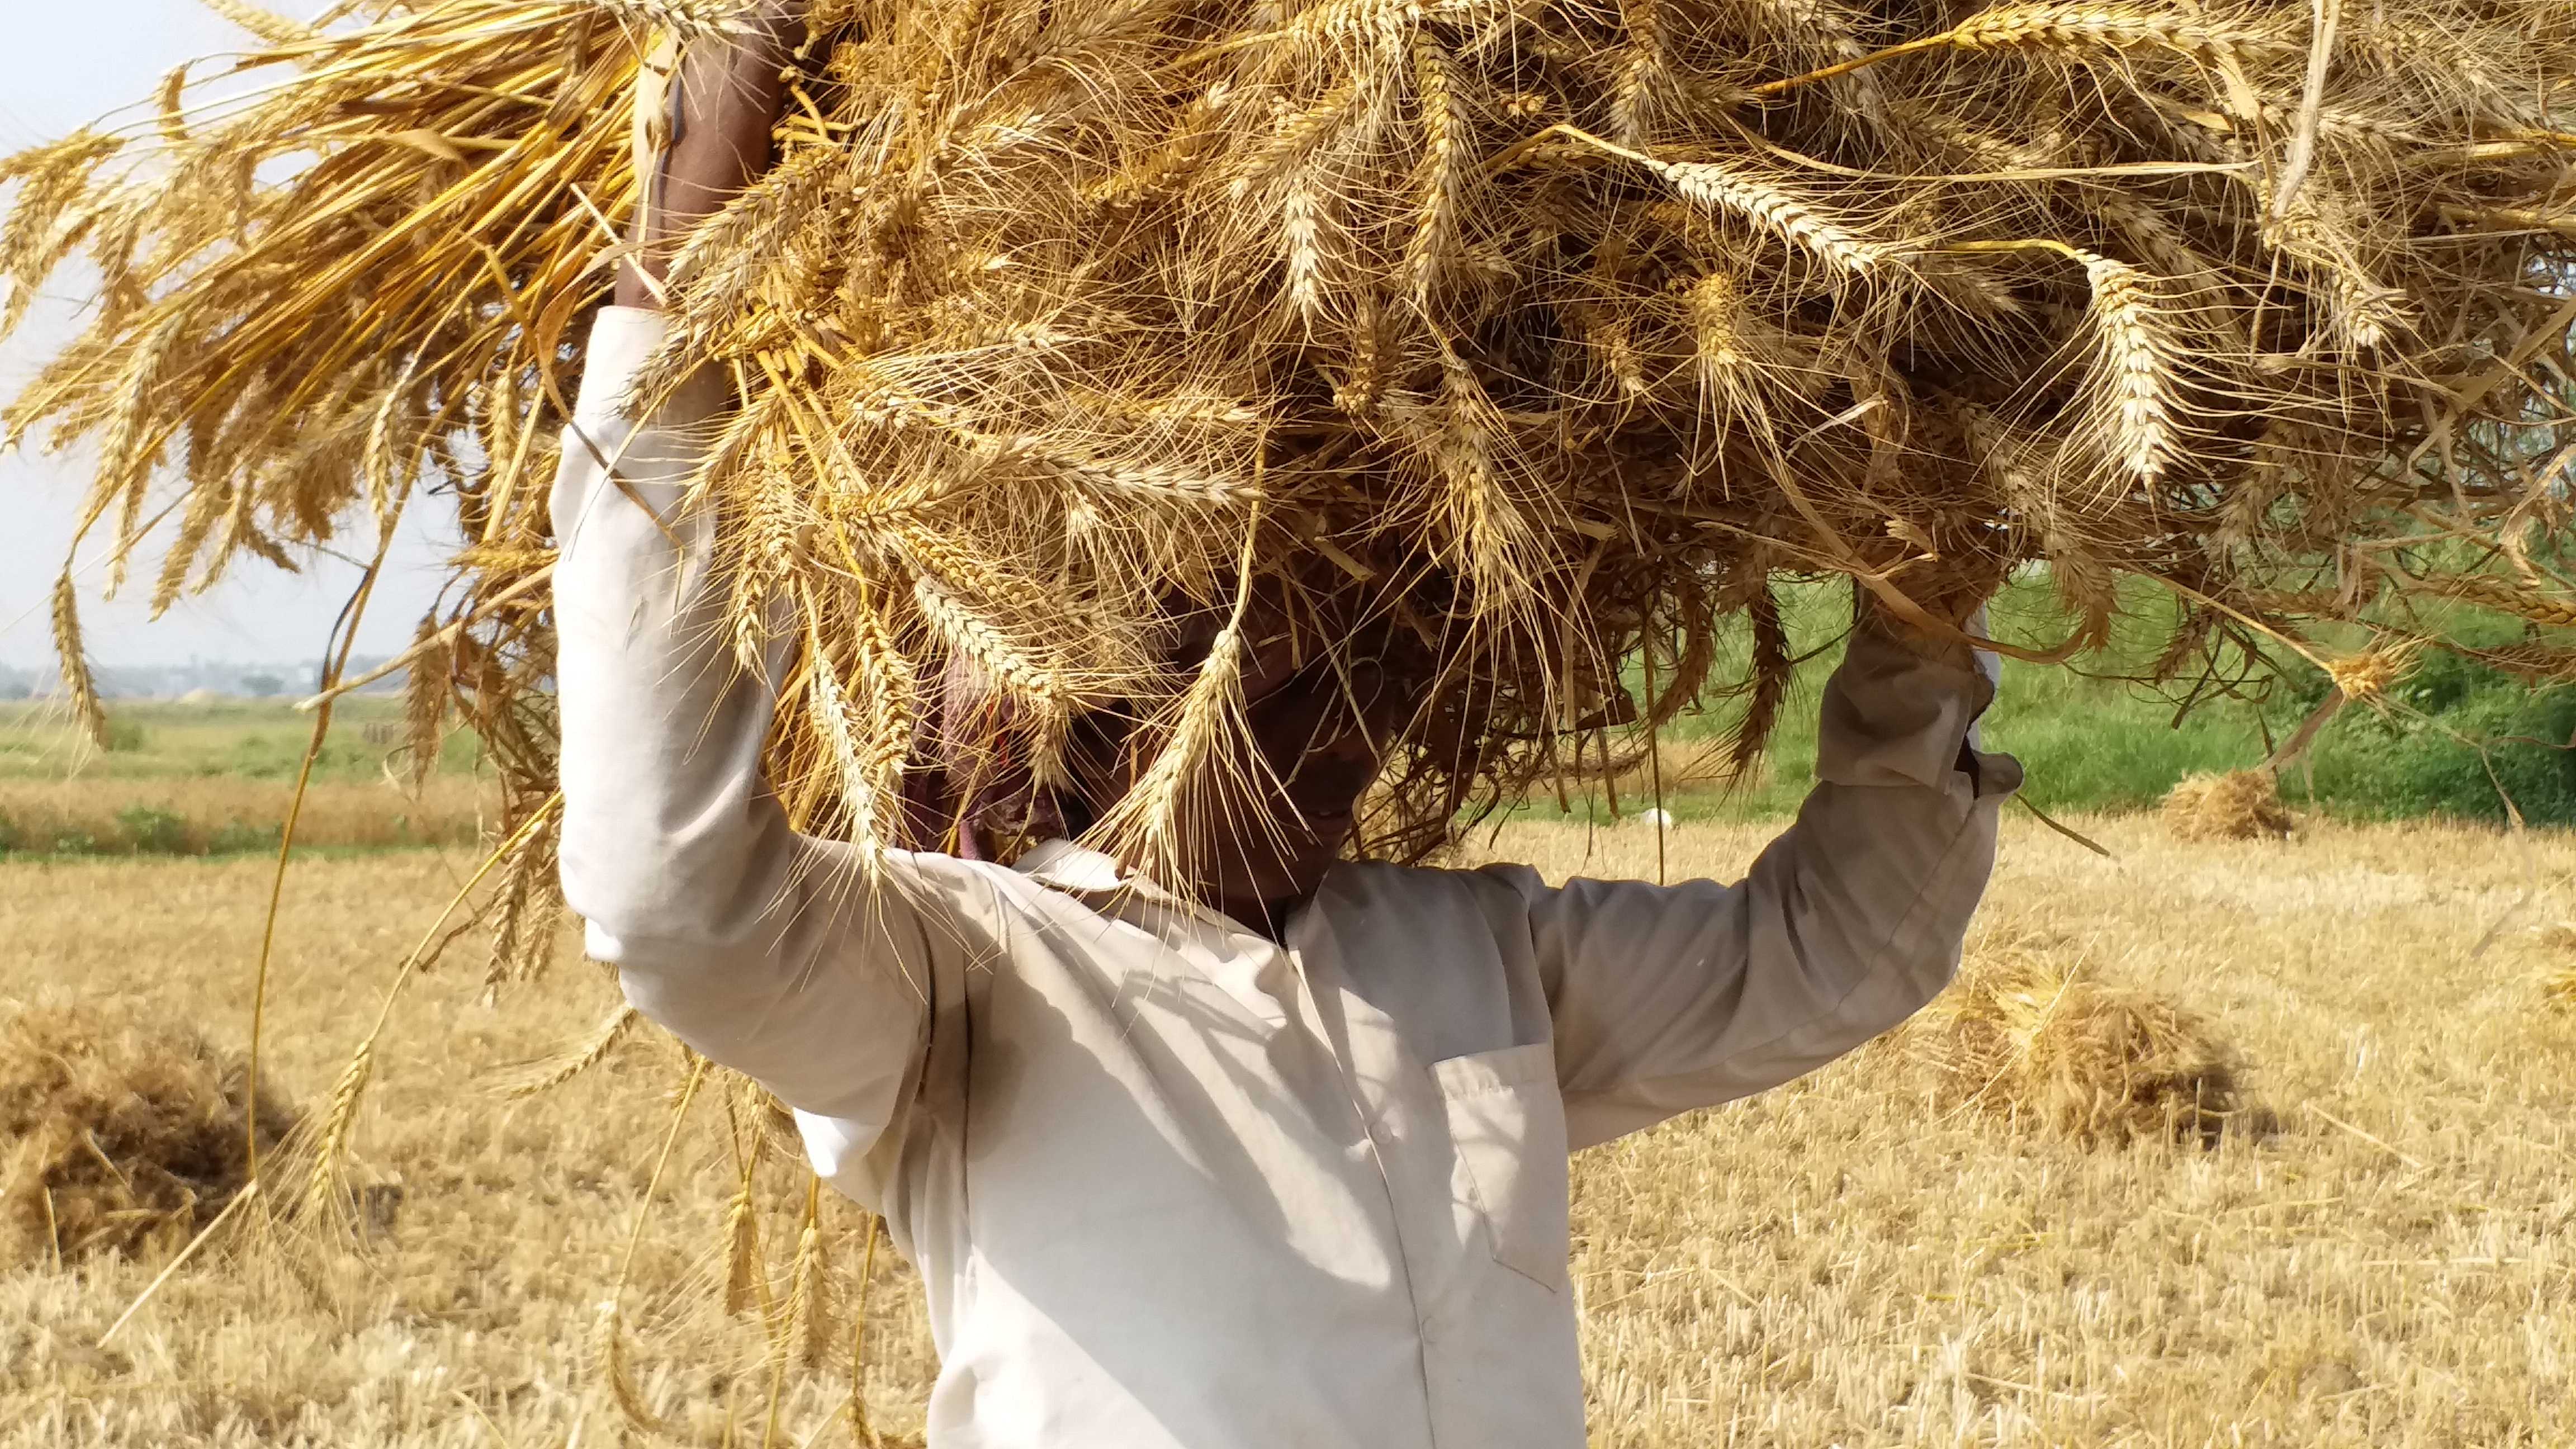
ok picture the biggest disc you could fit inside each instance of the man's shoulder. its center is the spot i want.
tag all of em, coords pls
(1501, 884)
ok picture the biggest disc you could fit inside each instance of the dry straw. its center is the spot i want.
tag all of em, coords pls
(2239, 805)
(117, 1134)
(1544, 330)
(2031, 1035)
(2558, 984)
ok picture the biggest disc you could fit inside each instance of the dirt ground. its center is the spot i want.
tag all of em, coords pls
(1842, 1262)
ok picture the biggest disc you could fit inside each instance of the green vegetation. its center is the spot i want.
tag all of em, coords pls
(240, 739)
(217, 778)
(2457, 740)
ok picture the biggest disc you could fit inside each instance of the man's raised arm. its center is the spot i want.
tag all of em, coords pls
(1670, 998)
(767, 951)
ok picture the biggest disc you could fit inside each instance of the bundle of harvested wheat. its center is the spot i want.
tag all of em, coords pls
(2239, 805)
(1543, 333)
(2029, 1034)
(2559, 987)
(117, 1135)
(2558, 982)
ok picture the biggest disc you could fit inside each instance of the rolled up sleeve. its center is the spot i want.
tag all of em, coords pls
(1667, 998)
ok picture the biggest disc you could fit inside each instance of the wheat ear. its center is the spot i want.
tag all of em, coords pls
(1304, 230)
(2080, 26)
(337, 1120)
(551, 1072)
(1775, 207)
(811, 1331)
(78, 680)
(744, 1288)
(1644, 74)
(427, 684)
(2492, 592)
(687, 19)
(864, 780)
(207, 503)
(1296, 138)
(2083, 26)
(271, 28)
(1447, 165)
(2135, 362)
(994, 653)
(1146, 821)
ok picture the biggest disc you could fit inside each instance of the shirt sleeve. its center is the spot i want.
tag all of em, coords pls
(767, 951)
(1666, 998)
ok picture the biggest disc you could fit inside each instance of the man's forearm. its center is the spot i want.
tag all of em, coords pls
(723, 107)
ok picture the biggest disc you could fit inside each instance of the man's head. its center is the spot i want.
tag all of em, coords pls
(1257, 831)
(1260, 841)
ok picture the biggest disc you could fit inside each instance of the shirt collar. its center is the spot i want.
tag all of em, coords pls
(1082, 871)
(1069, 867)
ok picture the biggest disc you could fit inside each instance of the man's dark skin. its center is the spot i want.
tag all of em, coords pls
(1315, 728)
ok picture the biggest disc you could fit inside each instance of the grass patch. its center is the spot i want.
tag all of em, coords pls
(248, 739)
(2457, 741)
(225, 816)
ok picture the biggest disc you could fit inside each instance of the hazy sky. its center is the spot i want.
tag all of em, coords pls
(65, 64)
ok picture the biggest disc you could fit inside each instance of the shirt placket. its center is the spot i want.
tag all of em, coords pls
(1370, 1059)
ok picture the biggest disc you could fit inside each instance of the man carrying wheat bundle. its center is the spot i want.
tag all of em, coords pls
(1275, 1155)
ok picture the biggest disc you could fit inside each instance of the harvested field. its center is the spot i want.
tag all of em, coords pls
(1847, 1261)
(222, 816)
(200, 778)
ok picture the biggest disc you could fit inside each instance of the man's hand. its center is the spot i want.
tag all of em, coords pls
(725, 104)
(1948, 592)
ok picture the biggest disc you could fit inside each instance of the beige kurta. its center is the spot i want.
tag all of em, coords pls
(1169, 1183)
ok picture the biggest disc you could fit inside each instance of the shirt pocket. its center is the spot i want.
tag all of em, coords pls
(1507, 1121)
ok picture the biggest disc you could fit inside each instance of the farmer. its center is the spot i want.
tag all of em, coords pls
(1285, 1169)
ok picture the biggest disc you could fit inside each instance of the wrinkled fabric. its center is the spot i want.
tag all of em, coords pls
(1170, 1183)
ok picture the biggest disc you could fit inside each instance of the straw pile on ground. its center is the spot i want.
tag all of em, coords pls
(2558, 983)
(2239, 805)
(117, 1135)
(2031, 1035)
(1519, 343)
(2559, 988)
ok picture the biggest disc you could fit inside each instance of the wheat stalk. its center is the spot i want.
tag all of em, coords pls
(990, 324)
